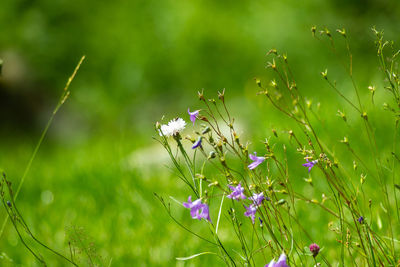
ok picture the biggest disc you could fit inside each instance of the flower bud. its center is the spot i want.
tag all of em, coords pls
(325, 74)
(364, 115)
(272, 51)
(342, 32)
(313, 30)
(258, 82)
(206, 130)
(362, 179)
(221, 96)
(274, 132)
(211, 155)
(201, 95)
(314, 248)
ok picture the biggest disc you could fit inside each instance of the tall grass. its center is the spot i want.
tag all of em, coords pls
(278, 223)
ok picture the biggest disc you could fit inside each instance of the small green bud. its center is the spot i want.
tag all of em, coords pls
(280, 202)
(258, 82)
(221, 96)
(206, 130)
(364, 115)
(308, 103)
(345, 140)
(325, 74)
(272, 65)
(291, 134)
(363, 177)
(327, 32)
(371, 89)
(274, 132)
(211, 155)
(215, 183)
(342, 115)
(201, 95)
(342, 32)
(200, 176)
(272, 51)
(313, 30)
(354, 165)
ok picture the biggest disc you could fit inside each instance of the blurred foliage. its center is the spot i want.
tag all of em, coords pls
(157, 51)
(146, 59)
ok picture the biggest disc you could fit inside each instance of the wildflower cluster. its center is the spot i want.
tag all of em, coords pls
(215, 164)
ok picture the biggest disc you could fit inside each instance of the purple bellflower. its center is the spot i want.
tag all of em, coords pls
(252, 208)
(193, 115)
(251, 211)
(257, 198)
(237, 192)
(310, 164)
(198, 210)
(280, 263)
(197, 143)
(256, 161)
(361, 219)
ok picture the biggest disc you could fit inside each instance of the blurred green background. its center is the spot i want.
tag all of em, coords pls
(98, 166)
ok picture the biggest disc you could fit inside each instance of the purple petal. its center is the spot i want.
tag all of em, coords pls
(197, 143)
(253, 165)
(194, 212)
(281, 261)
(253, 157)
(205, 213)
(188, 204)
(193, 115)
(250, 212)
(270, 264)
(256, 161)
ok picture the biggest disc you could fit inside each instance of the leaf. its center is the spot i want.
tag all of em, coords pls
(219, 213)
(195, 255)
(397, 186)
(379, 222)
(383, 208)
(177, 201)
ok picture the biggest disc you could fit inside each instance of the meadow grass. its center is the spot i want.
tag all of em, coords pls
(104, 188)
(365, 223)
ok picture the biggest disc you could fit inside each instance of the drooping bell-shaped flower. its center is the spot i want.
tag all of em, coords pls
(256, 161)
(310, 164)
(193, 115)
(280, 263)
(237, 192)
(198, 210)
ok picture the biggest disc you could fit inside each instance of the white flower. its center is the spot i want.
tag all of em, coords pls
(165, 130)
(173, 127)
